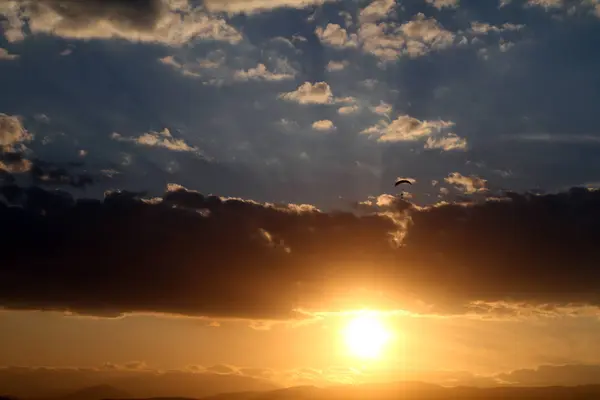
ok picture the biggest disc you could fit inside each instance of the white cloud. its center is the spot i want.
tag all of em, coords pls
(439, 4)
(13, 135)
(5, 55)
(427, 31)
(376, 11)
(347, 110)
(470, 184)
(308, 93)
(12, 132)
(383, 108)
(323, 125)
(157, 139)
(447, 143)
(406, 128)
(388, 41)
(171, 22)
(483, 28)
(547, 4)
(336, 36)
(377, 40)
(260, 72)
(334, 66)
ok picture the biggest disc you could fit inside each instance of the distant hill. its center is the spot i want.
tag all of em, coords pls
(168, 386)
(417, 391)
(97, 392)
(173, 385)
(383, 391)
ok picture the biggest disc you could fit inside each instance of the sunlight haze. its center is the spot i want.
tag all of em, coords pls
(299, 199)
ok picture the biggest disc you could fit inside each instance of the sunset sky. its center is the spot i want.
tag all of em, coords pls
(297, 117)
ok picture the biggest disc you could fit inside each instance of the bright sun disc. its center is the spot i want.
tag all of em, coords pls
(366, 336)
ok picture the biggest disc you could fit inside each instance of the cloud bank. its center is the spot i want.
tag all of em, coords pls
(191, 254)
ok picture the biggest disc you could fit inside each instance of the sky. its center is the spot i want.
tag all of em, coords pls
(206, 189)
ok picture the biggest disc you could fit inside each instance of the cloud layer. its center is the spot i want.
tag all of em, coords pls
(208, 256)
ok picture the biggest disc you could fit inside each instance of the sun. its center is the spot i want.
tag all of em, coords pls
(366, 336)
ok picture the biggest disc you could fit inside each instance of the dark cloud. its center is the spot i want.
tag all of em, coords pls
(134, 20)
(203, 255)
(139, 14)
(43, 172)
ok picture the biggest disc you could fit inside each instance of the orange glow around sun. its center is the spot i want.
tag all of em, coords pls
(366, 336)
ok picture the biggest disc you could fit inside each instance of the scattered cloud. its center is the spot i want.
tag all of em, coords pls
(260, 72)
(483, 28)
(439, 4)
(347, 110)
(376, 10)
(6, 56)
(427, 32)
(545, 3)
(323, 125)
(388, 41)
(334, 66)
(336, 36)
(447, 143)
(383, 108)
(12, 133)
(308, 93)
(470, 184)
(157, 139)
(406, 128)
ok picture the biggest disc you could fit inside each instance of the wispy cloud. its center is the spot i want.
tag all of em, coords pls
(6, 56)
(260, 72)
(470, 184)
(552, 138)
(447, 143)
(439, 4)
(253, 6)
(157, 139)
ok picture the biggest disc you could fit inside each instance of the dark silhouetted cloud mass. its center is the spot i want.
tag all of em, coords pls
(192, 254)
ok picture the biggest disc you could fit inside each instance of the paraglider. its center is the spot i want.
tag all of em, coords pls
(400, 181)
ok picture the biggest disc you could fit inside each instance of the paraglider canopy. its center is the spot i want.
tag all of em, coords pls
(400, 181)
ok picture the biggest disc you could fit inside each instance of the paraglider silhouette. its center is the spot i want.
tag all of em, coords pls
(401, 181)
